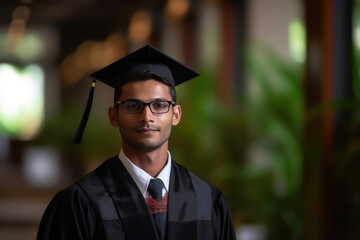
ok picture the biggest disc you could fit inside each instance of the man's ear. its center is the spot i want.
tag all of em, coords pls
(112, 113)
(176, 115)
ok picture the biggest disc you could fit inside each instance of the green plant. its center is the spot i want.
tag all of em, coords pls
(274, 107)
(251, 149)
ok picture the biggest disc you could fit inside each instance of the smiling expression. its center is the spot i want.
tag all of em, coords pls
(145, 131)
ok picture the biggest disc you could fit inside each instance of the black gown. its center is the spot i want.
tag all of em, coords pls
(107, 204)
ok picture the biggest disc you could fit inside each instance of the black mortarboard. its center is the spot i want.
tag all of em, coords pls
(145, 59)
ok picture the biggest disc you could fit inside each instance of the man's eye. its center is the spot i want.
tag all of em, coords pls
(160, 105)
(132, 105)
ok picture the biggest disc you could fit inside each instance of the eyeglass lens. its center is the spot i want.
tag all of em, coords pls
(138, 106)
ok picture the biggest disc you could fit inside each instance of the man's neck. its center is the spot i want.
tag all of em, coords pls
(151, 162)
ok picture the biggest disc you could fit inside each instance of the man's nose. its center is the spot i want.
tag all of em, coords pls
(146, 114)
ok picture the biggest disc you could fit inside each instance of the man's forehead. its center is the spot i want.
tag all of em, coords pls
(150, 87)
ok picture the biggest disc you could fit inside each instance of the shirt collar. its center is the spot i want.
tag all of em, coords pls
(142, 178)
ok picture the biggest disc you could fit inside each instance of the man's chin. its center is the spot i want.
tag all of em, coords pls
(147, 147)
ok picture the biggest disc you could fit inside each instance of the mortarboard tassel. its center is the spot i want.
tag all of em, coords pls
(80, 131)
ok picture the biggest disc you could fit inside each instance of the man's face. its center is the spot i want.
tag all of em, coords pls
(145, 131)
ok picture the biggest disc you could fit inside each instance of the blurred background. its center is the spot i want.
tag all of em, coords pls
(273, 120)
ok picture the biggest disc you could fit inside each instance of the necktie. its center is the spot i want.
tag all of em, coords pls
(158, 205)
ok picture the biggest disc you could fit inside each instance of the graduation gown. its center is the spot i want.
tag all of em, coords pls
(107, 204)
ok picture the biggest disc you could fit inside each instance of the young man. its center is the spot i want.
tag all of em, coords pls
(141, 193)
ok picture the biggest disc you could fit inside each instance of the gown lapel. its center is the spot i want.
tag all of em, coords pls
(129, 202)
(181, 205)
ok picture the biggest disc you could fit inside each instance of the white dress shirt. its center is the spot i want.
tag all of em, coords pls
(142, 178)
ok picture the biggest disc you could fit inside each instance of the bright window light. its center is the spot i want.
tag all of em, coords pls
(297, 45)
(21, 100)
(357, 36)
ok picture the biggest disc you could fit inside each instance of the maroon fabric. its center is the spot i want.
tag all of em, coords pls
(157, 206)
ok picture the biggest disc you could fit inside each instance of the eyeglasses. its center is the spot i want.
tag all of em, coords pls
(136, 106)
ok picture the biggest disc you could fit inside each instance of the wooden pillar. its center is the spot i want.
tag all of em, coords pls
(227, 52)
(318, 133)
(232, 34)
(323, 73)
(189, 36)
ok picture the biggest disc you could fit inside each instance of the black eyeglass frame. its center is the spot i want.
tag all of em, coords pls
(171, 103)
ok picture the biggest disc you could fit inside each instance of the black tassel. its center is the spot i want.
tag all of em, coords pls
(80, 131)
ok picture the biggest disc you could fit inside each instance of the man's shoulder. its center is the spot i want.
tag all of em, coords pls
(91, 189)
(200, 185)
(89, 180)
(93, 177)
(208, 197)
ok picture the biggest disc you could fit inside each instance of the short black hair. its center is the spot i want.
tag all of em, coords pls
(143, 76)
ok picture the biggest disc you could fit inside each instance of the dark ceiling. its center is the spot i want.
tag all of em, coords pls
(78, 20)
(60, 11)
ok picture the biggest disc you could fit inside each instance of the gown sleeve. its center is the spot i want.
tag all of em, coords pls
(222, 219)
(68, 216)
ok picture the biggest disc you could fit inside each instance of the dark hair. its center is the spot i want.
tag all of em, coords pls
(143, 76)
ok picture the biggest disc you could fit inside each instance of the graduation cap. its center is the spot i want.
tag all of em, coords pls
(145, 59)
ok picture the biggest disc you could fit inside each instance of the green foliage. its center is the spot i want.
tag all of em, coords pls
(274, 106)
(99, 139)
(250, 149)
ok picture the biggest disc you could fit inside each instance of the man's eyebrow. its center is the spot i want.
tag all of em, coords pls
(160, 99)
(151, 100)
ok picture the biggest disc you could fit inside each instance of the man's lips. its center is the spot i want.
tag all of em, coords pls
(146, 130)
